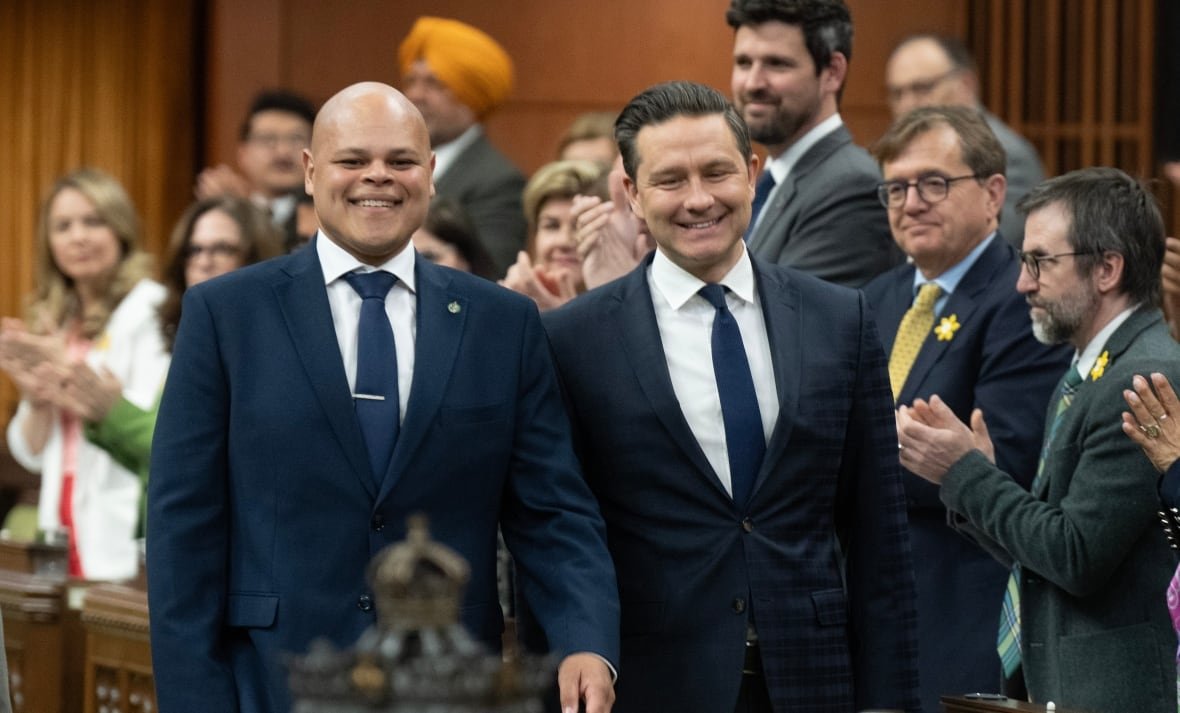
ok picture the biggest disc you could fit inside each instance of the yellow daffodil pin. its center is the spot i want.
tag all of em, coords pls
(1100, 366)
(945, 331)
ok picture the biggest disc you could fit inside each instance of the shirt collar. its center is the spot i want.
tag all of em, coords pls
(678, 286)
(950, 279)
(336, 262)
(780, 166)
(445, 154)
(1086, 358)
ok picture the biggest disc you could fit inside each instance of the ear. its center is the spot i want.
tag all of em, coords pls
(633, 196)
(433, 161)
(832, 77)
(1108, 273)
(308, 173)
(753, 169)
(996, 187)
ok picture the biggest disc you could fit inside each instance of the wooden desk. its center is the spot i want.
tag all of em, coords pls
(960, 704)
(118, 651)
(44, 642)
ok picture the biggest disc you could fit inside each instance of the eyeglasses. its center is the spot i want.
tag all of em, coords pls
(921, 88)
(1033, 261)
(216, 250)
(931, 189)
(272, 141)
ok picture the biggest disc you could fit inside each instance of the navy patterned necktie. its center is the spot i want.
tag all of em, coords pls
(376, 395)
(744, 439)
(762, 191)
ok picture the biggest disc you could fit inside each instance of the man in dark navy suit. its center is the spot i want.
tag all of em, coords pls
(281, 464)
(944, 187)
(734, 420)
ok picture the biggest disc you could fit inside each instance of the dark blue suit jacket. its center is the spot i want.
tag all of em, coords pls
(818, 555)
(994, 363)
(263, 513)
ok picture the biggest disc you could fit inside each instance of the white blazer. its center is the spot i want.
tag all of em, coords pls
(106, 495)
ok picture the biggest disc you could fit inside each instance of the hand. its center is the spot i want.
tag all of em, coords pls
(608, 238)
(1170, 279)
(33, 361)
(932, 439)
(89, 394)
(549, 291)
(221, 180)
(585, 677)
(1148, 410)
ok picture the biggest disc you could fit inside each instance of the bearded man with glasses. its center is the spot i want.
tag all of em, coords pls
(953, 324)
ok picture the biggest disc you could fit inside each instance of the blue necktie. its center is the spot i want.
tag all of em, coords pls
(762, 190)
(376, 395)
(744, 439)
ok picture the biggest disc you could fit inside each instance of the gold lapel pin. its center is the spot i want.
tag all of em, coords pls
(454, 308)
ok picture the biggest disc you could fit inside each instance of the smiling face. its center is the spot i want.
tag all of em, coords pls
(693, 188)
(83, 246)
(555, 247)
(937, 235)
(776, 86)
(369, 171)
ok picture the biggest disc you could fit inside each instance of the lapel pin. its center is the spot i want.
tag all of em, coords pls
(454, 308)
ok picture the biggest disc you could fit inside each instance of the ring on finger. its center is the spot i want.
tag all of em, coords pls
(1151, 430)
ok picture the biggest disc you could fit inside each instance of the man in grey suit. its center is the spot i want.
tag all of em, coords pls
(457, 76)
(816, 205)
(1083, 615)
(932, 70)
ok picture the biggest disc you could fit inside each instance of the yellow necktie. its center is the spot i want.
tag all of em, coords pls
(915, 325)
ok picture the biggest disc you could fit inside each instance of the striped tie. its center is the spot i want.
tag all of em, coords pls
(1008, 641)
(911, 333)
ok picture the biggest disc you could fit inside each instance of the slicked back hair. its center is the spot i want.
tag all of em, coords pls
(826, 24)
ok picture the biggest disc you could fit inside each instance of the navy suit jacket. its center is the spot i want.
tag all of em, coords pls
(994, 363)
(263, 512)
(819, 554)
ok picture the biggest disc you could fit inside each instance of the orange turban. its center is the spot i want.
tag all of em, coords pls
(469, 62)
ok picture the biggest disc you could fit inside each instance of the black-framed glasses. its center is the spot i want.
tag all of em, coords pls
(217, 250)
(1033, 261)
(932, 189)
(921, 88)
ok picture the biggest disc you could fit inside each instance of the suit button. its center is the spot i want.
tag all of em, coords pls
(365, 603)
(739, 605)
(378, 522)
(748, 525)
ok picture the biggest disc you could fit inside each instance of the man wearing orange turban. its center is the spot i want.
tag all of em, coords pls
(457, 75)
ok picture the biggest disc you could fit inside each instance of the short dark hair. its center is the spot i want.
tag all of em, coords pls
(956, 52)
(278, 100)
(666, 101)
(826, 24)
(980, 148)
(447, 221)
(1108, 211)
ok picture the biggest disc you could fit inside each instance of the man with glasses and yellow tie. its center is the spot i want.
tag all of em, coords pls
(953, 324)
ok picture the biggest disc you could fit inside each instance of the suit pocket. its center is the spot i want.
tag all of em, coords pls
(1124, 669)
(831, 608)
(458, 415)
(253, 611)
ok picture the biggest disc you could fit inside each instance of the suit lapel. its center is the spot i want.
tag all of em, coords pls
(442, 313)
(961, 304)
(303, 301)
(640, 337)
(776, 212)
(780, 307)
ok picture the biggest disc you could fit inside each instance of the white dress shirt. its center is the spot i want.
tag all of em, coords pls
(401, 305)
(685, 321)
(446, 154)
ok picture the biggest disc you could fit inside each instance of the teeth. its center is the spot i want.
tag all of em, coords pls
(374, 204)
(706, 224)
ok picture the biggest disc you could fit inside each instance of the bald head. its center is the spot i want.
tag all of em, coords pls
(922, 71)
(369, 170)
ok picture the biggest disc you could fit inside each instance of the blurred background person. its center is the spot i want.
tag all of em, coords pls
(611, 238)
(550, 270)
(457, 75)
(213, 236)
(270, 159)
(93, 302)
(590, 137)
(934, 70)
(448, 238)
